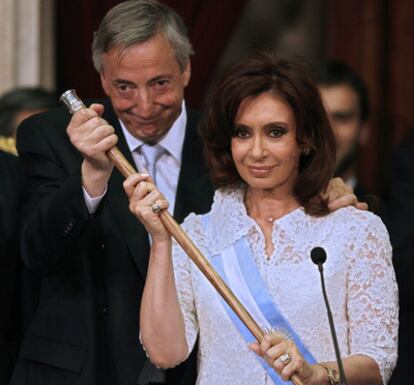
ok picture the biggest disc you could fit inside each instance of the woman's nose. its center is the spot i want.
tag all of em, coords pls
(258, 149)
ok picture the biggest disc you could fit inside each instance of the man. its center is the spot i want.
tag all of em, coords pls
(346, 101)
(9, 262)
(17, 105)
(77, 231)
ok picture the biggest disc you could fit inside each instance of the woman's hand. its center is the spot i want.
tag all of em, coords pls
(145, 201)
(283, 355)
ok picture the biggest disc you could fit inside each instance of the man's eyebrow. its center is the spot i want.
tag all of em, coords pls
(122, 81)
(160, 77)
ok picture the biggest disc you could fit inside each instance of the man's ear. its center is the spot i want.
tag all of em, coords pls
(104, 82)
(364, 134)
(187, 73)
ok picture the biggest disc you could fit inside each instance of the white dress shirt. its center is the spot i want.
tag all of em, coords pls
(167, 167)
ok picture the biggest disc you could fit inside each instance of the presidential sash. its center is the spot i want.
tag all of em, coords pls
(237, 268)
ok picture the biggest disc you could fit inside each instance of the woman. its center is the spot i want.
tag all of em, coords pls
(271, 153)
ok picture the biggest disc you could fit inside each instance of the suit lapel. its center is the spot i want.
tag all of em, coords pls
(194, 191)
(131, 229)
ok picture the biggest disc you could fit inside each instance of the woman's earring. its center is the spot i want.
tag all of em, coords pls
(306, 151)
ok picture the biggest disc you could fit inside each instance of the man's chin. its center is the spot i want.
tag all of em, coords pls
(148, 134)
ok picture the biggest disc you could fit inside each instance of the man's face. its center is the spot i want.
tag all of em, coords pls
(342, 105)
(146, 86)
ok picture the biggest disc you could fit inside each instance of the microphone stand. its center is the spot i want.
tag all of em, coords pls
(332, 326)
(319, 259)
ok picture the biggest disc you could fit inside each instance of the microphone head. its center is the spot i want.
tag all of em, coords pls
(318, 255)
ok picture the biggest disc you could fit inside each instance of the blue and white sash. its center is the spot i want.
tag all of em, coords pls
(236, 266)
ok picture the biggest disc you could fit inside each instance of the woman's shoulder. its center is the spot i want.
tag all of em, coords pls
(223, 201)
(224, 223)
(352, 214)
(356, 221)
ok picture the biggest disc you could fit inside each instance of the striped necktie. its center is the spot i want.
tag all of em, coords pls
(151, 154)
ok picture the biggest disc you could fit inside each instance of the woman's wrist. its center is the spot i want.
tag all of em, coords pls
(161, 246)
(320, 375)
(330, 376)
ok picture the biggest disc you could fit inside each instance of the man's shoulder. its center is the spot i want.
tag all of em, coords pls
(51, 123)
(60, 114)
(193, 118)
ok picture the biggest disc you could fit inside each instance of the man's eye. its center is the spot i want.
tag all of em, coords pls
(344, 117)
(123, 87)
(161, 83)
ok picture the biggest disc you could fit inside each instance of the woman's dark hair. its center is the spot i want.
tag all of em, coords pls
(291, 80)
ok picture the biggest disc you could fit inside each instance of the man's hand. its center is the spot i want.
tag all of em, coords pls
(93, 137)
(339, 194)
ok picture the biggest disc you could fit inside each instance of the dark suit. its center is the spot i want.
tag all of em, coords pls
(9, 263)
(93, 267)
(370, 199)
(400, 222)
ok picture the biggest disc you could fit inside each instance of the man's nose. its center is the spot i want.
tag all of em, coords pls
(144, 103)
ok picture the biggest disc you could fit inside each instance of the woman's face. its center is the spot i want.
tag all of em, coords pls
(264, 147)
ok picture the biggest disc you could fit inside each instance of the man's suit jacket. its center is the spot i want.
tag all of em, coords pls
(93, 267)
(9, 264)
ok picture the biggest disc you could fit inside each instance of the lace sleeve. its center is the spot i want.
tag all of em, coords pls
(373, 296)
(183, 282)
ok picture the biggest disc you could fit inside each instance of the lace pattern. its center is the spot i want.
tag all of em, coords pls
(360, 282)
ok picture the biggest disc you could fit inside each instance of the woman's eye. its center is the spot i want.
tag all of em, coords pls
(240, 133)
(276, 132)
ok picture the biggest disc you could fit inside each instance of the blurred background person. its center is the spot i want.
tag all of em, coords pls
(400, 222)
(9, 263)
(345, 98)
(17, 105)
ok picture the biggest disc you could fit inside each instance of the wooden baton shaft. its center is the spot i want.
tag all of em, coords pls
(126, 169)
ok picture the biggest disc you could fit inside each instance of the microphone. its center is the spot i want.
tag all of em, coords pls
(318, 256)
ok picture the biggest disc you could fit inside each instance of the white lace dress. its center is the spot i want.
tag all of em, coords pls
(359, 276)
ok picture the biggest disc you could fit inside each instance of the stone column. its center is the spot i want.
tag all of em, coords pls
(27, 44)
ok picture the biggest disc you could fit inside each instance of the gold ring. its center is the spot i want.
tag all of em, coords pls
(284, 358)
(156, 208)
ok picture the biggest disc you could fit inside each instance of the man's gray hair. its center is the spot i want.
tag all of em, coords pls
(137, 21)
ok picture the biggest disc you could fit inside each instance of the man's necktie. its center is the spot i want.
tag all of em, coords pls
(151, 154)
